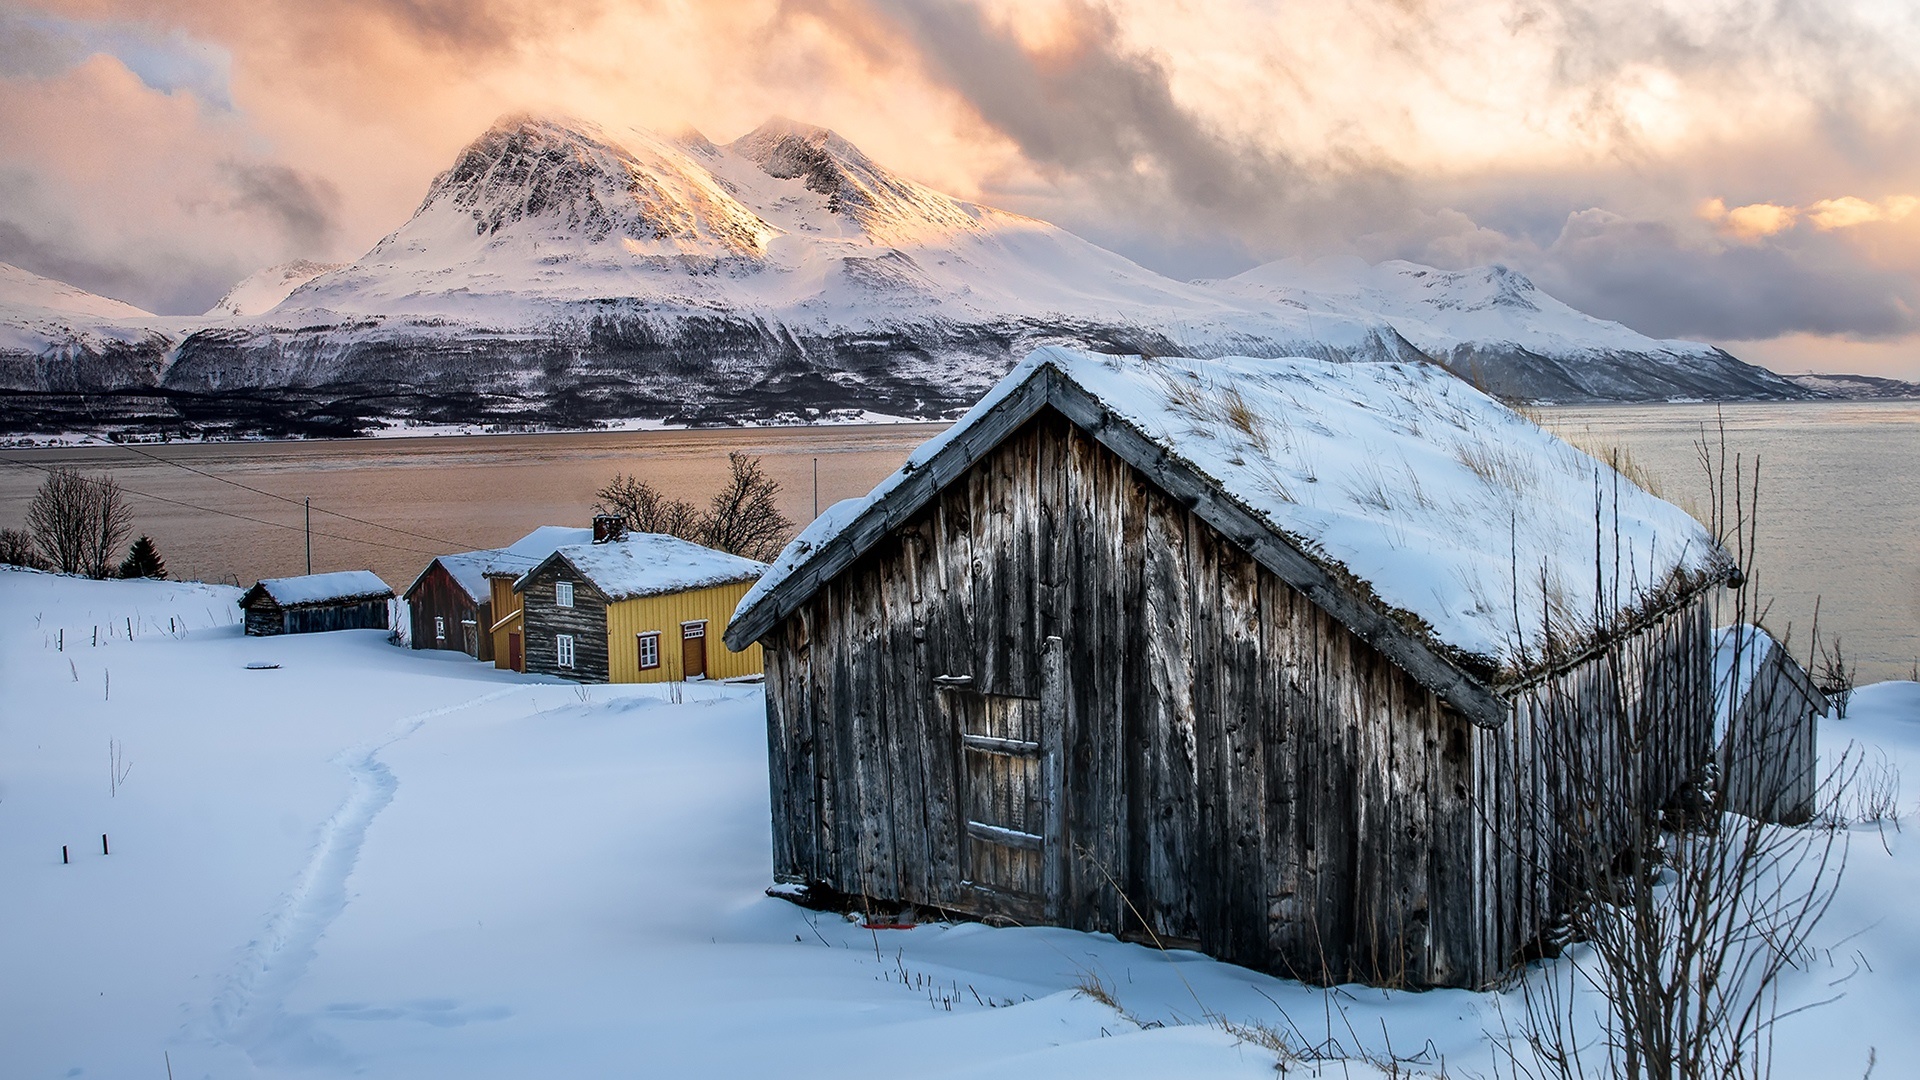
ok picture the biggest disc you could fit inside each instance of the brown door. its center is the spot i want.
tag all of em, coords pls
(516, 658)
(693, 650)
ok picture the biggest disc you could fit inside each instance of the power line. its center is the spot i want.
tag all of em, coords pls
(282, 498)
(240, 517)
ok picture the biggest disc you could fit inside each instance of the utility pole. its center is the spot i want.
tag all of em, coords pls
(310, 536)
(816, 487)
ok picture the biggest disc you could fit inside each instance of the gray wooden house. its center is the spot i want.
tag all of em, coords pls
(1767, 714)
(344, 600)
(1295, 663)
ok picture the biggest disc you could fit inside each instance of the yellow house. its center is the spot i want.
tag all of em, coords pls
(643, 607)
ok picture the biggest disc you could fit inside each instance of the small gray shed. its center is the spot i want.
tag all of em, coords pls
(312, 603)
(1766, 719)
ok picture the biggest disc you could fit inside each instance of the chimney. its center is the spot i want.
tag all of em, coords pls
(608, 527)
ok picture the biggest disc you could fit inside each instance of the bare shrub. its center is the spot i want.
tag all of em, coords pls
(17, 549)
(1835, 677)
(79, 522)
(1683, 917)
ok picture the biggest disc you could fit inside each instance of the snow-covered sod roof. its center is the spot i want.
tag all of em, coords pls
(652, 564)
(470, 569)
(1449, 507)
(341, 585)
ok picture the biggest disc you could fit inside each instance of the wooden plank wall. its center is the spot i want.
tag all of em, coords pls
(1768, 756)
(586, 620)
(627, 619)
(439, 595)
(1618, 734)
(1249, 774)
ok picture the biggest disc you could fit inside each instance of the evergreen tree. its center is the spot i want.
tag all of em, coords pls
(143, 561)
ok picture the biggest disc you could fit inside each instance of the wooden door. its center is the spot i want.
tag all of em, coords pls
(1012, 853)
(693, 650)
(516, 658)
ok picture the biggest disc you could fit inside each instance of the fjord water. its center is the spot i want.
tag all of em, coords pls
(1839, 508)
(1839, 496)
(436, 495)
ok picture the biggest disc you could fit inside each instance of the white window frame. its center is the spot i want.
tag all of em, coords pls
(563, 650)
(439, 628)
(563, 594)
(691, 630)
(650, 637)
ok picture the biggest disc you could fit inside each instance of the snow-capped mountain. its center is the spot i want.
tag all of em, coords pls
(263, 290)
(560, 273)
(1493, 326)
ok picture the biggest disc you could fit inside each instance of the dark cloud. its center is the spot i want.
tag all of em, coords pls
(190, 286)
(1092, 109)
(1148, 175)
(1653, 277)
(304, 208)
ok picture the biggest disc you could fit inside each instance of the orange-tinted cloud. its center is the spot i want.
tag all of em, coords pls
(144, 143)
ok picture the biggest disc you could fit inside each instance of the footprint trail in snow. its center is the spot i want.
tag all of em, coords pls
(249, 1013)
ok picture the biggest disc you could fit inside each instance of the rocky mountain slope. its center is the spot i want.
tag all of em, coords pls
(561, 274)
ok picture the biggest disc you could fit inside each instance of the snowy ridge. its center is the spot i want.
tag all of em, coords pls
(1479, 321)
(1450, 507)
(262, 290)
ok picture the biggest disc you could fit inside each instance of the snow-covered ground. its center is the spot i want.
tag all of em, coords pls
(376, 862)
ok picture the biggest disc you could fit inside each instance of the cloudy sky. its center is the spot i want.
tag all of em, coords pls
(1746, 173)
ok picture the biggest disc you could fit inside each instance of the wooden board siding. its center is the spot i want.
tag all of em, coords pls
(1769, 764)
(506, 609)
(265, 619)
(586, 620)
(627, 619)
(437, 595)
(1252, 775)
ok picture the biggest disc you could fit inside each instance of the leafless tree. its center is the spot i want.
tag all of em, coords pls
(79, 522)
(743, 518)
(646, 510)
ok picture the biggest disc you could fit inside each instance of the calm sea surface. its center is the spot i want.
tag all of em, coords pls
(1839, 502)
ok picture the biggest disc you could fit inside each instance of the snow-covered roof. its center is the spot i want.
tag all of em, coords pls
(341, 585)
(1463, 522)
(470, 569)
(652, 564)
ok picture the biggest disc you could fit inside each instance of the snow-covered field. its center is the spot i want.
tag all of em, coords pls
(377, 862)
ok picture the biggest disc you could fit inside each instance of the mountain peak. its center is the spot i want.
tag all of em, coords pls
(566, 180)
(886, 206)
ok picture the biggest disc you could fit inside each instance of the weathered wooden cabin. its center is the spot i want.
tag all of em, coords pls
(1324, 669)
(508, 630)
(1767, 713)
(451, 604)
(635, 608)
(312, 603)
